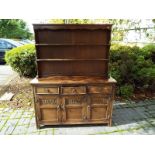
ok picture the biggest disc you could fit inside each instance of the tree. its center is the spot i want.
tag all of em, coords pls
(120, 28)
(70, 21)
(118, 25)
(14, 28)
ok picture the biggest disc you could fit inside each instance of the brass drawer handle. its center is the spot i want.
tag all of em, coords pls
(74, 90)
(47, 90)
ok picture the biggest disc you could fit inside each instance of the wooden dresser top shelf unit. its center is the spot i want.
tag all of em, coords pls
(72, 84)
(72, 49)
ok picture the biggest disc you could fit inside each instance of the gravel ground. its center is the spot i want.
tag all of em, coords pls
(23, 96)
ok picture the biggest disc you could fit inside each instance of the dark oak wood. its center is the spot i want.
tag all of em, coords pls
(60, 46)
(72, 80)
(72, 85)
(77, 101)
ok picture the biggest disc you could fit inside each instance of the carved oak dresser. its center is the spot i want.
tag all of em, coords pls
(72, 84)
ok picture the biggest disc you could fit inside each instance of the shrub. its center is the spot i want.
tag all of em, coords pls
(22, 60)
(148, 52)
(126, 91)
(132, 66)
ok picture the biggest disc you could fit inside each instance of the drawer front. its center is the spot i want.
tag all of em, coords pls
(73, 90)
(47, 90)
(100, 89)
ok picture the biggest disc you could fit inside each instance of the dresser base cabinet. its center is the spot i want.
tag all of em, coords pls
(69, 100)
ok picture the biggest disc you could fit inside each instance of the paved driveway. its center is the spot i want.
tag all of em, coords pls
(128, 118)
(6, 75)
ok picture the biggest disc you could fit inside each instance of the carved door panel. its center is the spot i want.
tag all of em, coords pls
(49, 108)
(73, 109)
(98, 108)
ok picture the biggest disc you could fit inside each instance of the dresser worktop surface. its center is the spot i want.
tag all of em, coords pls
(71, 80)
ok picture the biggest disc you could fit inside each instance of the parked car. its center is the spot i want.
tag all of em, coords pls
(5, 45)
(26, 41)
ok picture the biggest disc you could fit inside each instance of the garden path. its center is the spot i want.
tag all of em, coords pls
(128, 118)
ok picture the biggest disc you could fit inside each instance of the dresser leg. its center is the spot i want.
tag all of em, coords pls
(37, 126)
(110, 123)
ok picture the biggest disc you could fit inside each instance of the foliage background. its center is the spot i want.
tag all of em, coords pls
(14, 28)
(132, 67)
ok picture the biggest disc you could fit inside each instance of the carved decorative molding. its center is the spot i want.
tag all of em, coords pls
(49, 101)
(99, 100)
(75, 100)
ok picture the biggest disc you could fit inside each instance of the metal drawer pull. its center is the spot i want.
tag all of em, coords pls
(47, 90)
(74, 90)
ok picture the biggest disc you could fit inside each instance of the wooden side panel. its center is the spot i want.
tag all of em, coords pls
(74, 114)
(74, 68)
(98, 108)
(73, 109)
(49, 114)
(49, 108)
(98, 112)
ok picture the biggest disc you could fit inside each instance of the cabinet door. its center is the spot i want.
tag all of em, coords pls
(48, 108)
(97, 109)
(73, 109)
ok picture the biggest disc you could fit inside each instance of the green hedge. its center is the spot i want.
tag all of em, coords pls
(22, 60)
(132, 67)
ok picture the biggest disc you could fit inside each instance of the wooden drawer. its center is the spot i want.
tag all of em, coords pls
(47, 90)
(73, 90)
(107, 89)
